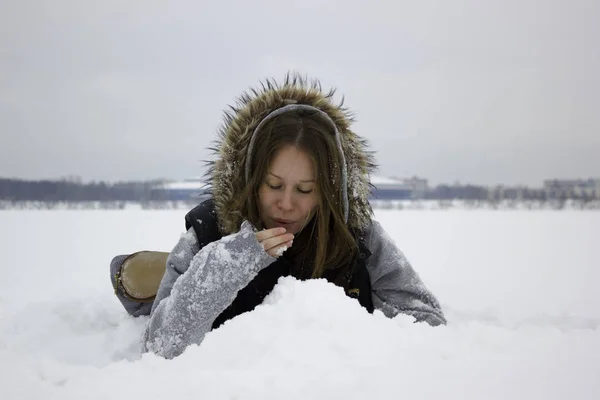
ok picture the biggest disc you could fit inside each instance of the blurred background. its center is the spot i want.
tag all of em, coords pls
(471, 100)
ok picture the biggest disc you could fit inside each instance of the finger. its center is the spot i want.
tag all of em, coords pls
(268, 233)
(276, 241)
(270, 243)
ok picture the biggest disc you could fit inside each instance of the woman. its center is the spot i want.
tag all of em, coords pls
(290, 190)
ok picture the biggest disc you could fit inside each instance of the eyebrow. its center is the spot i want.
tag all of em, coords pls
(303, 181)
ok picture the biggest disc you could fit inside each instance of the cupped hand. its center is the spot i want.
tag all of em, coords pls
(275, 240)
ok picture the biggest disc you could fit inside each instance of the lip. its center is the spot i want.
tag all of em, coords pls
(283, 221)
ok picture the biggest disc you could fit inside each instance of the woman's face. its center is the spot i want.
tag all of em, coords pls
(288, 195)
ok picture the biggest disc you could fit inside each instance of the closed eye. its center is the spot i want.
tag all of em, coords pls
(278, 187)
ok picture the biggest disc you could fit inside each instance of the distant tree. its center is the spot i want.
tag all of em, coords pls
(71, 189)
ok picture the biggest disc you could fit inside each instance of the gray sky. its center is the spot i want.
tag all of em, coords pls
(481, 92)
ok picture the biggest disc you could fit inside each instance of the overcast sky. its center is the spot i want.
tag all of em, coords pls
(483, 92)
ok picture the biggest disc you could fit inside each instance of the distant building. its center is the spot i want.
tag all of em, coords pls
(390, 189)
(187, 190)
(562, 189)
(418, 186)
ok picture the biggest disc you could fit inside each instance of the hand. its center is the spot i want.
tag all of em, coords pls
(275, 241)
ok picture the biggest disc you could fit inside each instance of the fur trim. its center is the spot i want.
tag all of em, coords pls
(225, 175)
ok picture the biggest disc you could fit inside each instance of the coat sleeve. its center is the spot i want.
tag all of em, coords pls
(197, 287)
(395, 285)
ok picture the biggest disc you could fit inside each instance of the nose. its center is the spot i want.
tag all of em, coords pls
(286, 201)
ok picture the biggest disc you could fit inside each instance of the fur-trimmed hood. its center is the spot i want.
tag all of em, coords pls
(226, 174)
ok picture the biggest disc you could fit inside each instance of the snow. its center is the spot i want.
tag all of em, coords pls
(519, 289)
(281, 250)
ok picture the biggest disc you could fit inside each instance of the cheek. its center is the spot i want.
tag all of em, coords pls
(310, 205)
(264, 200)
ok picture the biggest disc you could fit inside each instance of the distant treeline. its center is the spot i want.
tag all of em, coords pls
(472, 192)
(74, 191)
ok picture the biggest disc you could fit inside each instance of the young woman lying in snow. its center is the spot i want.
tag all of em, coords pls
(290, 191)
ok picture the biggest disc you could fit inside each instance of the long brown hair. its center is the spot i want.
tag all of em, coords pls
(331, 241)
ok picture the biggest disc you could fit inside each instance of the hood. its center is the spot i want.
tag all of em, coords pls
(226, 175)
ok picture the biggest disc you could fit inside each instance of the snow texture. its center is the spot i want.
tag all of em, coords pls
(215, 275)
(519, 290)
(282, 250)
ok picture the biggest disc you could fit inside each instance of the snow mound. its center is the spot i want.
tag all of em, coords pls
(307, 340)
(519, 290)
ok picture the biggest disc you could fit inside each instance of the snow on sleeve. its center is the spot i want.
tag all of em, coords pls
(210, 284)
